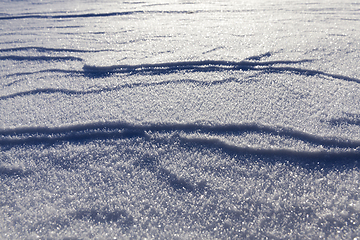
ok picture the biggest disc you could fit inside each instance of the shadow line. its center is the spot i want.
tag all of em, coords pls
(113, 130)
(110, 89)
(40, 58)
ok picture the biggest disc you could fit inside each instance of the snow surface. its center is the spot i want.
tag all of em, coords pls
(179, 119)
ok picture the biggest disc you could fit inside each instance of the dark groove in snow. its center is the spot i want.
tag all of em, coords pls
(350, 118)
(86, 15)
(45, 49)
(212, 65)
(110, 89)
(166, 176)
(259, 57)
(227, 65)
(109, 14)
(44, 71)
(309, 72)
(164, 68)
(13, 172)
(303, 157)
(114, 130)
(39, 58)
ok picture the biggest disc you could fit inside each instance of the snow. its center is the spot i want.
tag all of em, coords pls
(179, 119)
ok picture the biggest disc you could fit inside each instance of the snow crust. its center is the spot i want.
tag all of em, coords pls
(179, 119)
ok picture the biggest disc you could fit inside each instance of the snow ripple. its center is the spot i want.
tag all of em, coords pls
(333, 149)
(40, 58)
(49, 50)
(213, 65)
(106, 14)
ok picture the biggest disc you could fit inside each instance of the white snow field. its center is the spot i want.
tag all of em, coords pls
(180, 119)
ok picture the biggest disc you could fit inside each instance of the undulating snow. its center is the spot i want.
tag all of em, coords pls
(179, 119)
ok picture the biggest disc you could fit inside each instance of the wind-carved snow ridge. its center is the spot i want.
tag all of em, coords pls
(259, 57)
(349, 118)
(11, 171)
(40, 58)
(213, 65)
(85, 15)
(209, 136)
(106, 14)
(250, 64)
(44, 71)
(45, 49)
(116, 88)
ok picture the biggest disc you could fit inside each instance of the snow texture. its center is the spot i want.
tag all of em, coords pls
(180, 119)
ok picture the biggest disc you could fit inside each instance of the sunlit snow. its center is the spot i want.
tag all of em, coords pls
(179, 119)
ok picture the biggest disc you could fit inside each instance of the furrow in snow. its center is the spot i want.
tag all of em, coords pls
(40, 58)
(229, 65)
(109, 14)
(109, 130)
(213, 65)
(116, 88)
(44, 49)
